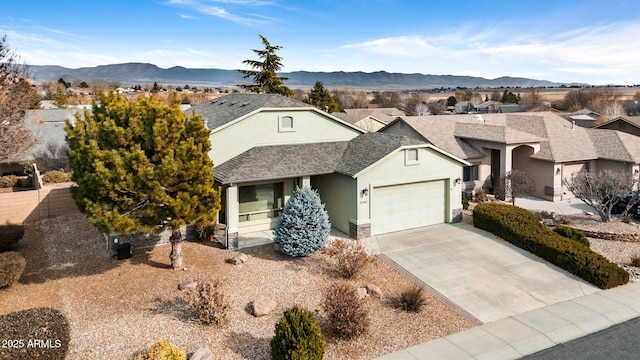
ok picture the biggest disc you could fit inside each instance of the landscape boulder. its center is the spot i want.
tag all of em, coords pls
(240, 259)
(202, 354)
(374, 290)
(362, 292)
(187, 285)
(263, 306)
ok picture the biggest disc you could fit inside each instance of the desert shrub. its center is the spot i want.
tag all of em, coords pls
(573, 234)
(481, 196)
(45, 324)
(544, 215)
(350, 256)
(11, 267)
(635, 260)
(208, 303)
(303, 226)
(412, 299)
(297, 336)
(163, 350)
(465, 200)
(55, 177)
(523, 229)
(346, 312)
(9, 235)
(8, 181)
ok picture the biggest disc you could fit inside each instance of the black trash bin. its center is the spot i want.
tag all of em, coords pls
(123, 251)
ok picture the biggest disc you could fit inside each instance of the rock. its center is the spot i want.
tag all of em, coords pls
(549, 222)
(202, 354)
(589, 213)
(362, 293)
(374, 290)
(187, 285)
(263, 306)
(240, 259)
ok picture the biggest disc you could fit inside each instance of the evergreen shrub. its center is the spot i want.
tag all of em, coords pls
(10, 234)
(573, 234)
(465, 200)
(163, 350)
(55, 177)
(297, 336)
(522, 228)
(303, 226)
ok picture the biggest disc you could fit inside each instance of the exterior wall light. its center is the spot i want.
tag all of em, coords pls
(365, 192)
(636, 171)
(558, 171)
(458, 181)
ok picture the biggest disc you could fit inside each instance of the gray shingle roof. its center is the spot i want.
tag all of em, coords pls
(285, 161)
(281, 161)
(364, 150)
(47, 126)
(230, 107)
(383, 114)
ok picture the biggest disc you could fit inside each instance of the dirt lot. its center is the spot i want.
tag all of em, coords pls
(118, 308)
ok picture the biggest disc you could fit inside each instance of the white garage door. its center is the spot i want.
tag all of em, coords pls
(407, 206)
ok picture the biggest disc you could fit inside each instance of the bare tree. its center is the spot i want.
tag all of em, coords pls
(15, 98)
(414, 106)
(601, 191)
(532, 97)
(517, 183)
(437, 107)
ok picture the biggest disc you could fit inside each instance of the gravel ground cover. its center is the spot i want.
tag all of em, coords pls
(118, 308)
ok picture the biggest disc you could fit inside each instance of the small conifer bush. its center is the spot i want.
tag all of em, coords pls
(163, 350)
(297, 336)
(11, 267)
(465, 200)
(346, 311)
(303, 226)
(573, 234)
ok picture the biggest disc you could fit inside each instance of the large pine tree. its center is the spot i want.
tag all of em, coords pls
(142, 166)
(265, 77)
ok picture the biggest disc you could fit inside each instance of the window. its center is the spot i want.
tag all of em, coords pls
(263, 201)
(470, 173)
(411, 156)
(285, 124)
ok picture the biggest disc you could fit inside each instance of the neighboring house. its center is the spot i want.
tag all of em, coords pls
(544, 145)
(630, 125)
(584, 117)
(369, 119)
(264, 145)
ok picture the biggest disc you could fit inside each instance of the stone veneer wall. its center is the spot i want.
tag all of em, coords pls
(359, 231)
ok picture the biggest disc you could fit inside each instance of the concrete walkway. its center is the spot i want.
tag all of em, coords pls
(532, 331)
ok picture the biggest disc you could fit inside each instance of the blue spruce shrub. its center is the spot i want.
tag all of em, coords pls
(303, 226)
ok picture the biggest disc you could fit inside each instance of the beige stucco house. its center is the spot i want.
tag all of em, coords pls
(544, 145)
(264, 145)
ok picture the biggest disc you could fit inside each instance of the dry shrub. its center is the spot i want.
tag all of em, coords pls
(163, 350)
(350, 255)
(347, 314)
(10, 234)
(481, 196)
(208, 303)
(8, 181)
(412, 299)
(55, 177)
(635, 260)
(11, 267)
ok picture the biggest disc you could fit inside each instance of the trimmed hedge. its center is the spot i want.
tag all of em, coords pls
(573, 234)
(522, 228)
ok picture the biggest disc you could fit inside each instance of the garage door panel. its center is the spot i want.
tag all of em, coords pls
(406, 206)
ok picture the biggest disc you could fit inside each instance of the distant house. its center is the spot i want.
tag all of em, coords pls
(630, 125)
(369, 119)
(544, 145)
(584, 117)
(265, 145)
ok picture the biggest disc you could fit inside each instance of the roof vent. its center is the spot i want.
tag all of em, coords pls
(223, 101)
(244, 104)
(233, 103)
(214, 101)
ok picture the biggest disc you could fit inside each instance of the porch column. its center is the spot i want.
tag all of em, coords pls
(233, 213)
(305, 181)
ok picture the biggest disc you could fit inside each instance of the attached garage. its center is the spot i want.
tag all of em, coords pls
(407, 206)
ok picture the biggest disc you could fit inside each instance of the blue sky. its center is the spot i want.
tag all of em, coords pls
(591, 41)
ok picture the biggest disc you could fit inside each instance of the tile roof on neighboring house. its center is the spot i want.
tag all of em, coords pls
(281, 161)
(353, 116)
(366, 149)
(285, 161)
(230, 107)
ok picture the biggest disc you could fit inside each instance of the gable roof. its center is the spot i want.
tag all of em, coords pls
(384, 115)
(366, 149)
(616, 145)
(230, 107)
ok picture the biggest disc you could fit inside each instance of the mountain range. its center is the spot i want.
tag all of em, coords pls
(130, 74)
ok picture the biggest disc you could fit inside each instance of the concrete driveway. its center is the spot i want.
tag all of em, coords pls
(486, 277)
